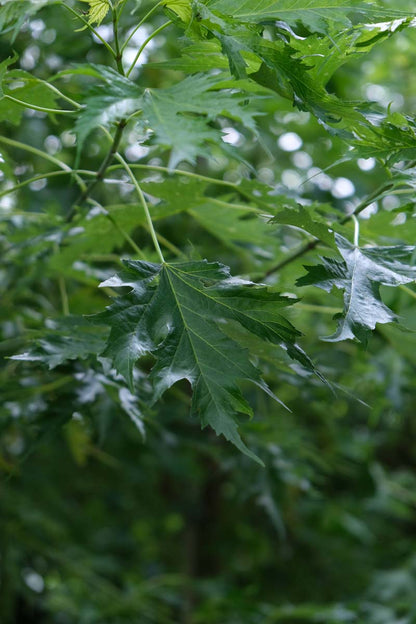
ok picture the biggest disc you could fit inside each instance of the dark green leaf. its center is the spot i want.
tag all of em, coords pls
(360, 276)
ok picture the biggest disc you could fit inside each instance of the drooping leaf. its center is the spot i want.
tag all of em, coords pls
(71, 338)
(360, 276)
(176, 312)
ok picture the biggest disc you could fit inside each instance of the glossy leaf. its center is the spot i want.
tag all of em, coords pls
(176, 312)
(360, 276)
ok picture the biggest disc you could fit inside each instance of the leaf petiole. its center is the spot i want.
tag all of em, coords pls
(145, 43)
(144, 205)
(91, 28)
(42, 109)
(142, 21)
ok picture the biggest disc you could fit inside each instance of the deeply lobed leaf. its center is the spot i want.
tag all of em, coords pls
(360, 276)
(177, 313)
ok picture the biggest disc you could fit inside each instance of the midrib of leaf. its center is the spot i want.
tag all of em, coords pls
(189, 329)
(353, 273)
(221, 302)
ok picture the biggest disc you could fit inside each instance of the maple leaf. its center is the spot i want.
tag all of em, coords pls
(360, 276)
(105, 103)
(316, 15)
(180, 115)
(178, 313)
(97, 11)
(182, 8)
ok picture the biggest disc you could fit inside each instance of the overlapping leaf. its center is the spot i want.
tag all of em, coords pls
(360, 276)
(180, 116)
(115, 98)
(315, 15)
(177, 312)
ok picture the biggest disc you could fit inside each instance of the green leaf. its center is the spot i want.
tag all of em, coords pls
(115, 99)
(315, 15)
(23, 86)
(307, 219)
(177, 312)
(71, 338)
(16, 12)
(182, 8)
(98, 9)
(360, 276)
(180, 116)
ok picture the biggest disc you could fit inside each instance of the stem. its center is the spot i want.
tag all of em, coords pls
(145, 18)
(314, 243)
(91, 28)
(119, 229)
(144, 44)
(42, 109)
(61, 95)
(64, 295)
(408, 290)
(190, 174)
(37, 152)
(52, 88)
(41, 176)
(166, 243)
(297, 254)
(101, 171)
(119, 53)
(120, 4)
(145, 207)
(356, 230)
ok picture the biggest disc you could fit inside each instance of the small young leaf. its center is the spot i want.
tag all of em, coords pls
(97, 11)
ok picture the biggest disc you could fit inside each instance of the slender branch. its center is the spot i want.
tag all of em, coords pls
(408, 290)
(99, 176)
(166, 243)
(145, 207)
(119, 53)
(142, 21)
(45, 156)
(120, 4)
(91, 28)
(61, 95)
(49, 86)
(119, 229)
(144, 44)
(41, 176)
(314, 243)
(42, 109)
(294, 256)
(64, 295)
(188, 174)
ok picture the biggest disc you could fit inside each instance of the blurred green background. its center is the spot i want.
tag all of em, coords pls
(98, 525)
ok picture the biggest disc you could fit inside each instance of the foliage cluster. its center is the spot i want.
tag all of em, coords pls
(190, 157)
